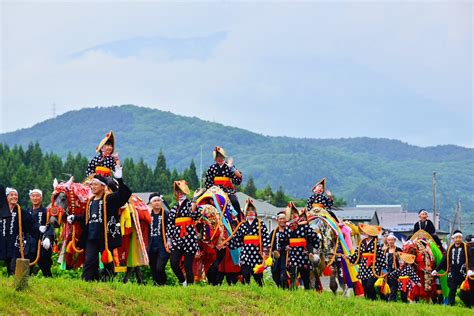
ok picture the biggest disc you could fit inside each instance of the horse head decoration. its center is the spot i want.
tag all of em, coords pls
(68, 198)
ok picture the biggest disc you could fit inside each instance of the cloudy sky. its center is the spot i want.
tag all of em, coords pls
(391, 69)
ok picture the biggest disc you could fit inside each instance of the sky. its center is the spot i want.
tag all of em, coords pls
(387, 69)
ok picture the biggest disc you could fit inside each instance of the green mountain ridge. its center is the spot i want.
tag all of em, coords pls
(361, 170)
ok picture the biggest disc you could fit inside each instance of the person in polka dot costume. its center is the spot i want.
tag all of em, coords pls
(105, 155)
(319, 197)
(370, 257)
(226, 176)
(181, 233)
(253, 239)
(297, 239)
(405, 275)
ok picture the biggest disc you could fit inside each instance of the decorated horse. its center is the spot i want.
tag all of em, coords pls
(216, 224)
(428, 255)
(70, 198)
(337, 239)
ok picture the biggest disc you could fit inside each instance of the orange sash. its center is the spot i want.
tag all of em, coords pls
(251, 240)
(298, 242)
(183, 222)
(224, 181)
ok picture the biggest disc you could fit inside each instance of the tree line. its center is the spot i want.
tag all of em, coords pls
(26, 169)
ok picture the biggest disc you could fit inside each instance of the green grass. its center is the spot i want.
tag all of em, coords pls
(68, 296)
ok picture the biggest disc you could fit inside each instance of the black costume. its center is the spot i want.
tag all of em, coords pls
(299, 240)
(10, 248)
(38, 218)
(455, 258)
(92, 239)
(320, 198)
(405, 276)
(157, 246)
(100, 160)
(468, 296)
(391, 264)
(279, 265)
(254, 240)
(224, 177)
(366, 257)
(429, 227)
(182, 238)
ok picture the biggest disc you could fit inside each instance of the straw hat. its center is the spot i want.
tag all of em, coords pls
(323, 182)
(370, 230)
(109, 136)
(249, 206)
(181, 185)
(220, 151)
(408, 258)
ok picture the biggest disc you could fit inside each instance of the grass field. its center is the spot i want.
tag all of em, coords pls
(68, 296)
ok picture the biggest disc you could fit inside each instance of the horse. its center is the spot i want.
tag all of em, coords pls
(215, 225)
(336, 238)
(68, 198)
(428, 255)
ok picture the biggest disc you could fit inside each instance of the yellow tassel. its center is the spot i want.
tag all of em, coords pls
(269, 262)
(379, 282)
(385, 289)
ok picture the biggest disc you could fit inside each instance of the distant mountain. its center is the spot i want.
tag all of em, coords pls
(361, 170)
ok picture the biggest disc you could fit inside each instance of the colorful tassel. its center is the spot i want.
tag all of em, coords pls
(465, 286)
(327, 271)
(379, 282)
(269, 262)
(258, 269)
(106, 256)
(359, 290)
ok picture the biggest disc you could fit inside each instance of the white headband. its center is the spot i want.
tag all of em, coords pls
(10, 190)
(457, 234)
(392, 235)
(36, 191)
(97, 181)
(156, 198)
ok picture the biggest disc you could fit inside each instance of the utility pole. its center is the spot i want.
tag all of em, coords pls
(459, 214)
(436, 222)
(54, 109)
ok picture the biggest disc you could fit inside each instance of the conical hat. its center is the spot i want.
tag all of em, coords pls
(219, 150)
(109, 136)
(181, 185)
(370, 230)
(408, 258)
(290, 208)
(323, 182)
(249, 204)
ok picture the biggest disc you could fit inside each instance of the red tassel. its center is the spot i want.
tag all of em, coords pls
(465, 286)
(359, 290)
(106, 256)
(327, 271)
